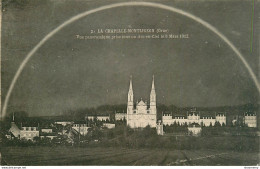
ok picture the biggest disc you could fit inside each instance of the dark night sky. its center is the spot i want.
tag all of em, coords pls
(67, 73)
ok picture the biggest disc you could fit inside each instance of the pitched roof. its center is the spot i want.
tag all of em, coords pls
(141, 103)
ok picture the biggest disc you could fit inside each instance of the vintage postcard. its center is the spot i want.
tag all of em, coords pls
(129, 83)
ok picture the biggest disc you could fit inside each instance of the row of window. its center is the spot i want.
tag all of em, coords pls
(29, 135)
(146, 111)
(79, 125)
(194, 115)
(201, 123)
(198, 118)
(30, 128)
(183, 121)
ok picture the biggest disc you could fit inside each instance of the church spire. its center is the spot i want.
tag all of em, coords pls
(130, 86)
(153, 88)
(130, 92)
(153, 96)
(130, 101)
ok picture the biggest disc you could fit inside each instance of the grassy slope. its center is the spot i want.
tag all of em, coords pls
(121, 156)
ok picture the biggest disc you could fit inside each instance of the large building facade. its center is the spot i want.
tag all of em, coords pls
(141, 114)
(194, 117)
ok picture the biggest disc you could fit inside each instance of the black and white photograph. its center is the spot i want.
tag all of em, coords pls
(130, 83)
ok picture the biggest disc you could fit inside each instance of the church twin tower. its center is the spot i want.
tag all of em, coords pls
(141, 114)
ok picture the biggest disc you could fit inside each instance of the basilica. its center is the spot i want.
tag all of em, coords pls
(141, 114)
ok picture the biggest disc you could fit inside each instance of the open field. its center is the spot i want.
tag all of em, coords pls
(61, 155)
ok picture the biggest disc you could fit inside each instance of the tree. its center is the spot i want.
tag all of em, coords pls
(175, 124)
(45, 141)
(87, 122)
(36, 139)
(217, 124)
(95, 120)
(97, 134)
(185, 124)
(178, 124)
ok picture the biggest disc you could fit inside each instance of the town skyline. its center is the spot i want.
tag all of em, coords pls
(137, 97)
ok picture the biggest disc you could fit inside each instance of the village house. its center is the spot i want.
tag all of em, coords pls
(28, 133)
(250, 119)
(109, 125)
(98, 117)
(81, 128)
(120, 116)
